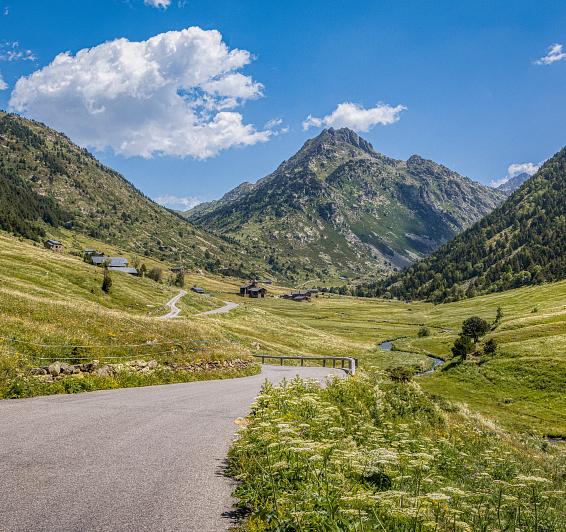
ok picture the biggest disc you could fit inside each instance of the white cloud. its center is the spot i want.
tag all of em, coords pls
(6, 11)
(522, 168)
(3, 84)
(356, 117)
(170, 95)
(158, 3)
(11, 51)
(514, 170)
(555, 53)
(178, 202)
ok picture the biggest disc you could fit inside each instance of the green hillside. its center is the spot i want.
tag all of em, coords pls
(47, 181)
(339, 208)
(520, 243)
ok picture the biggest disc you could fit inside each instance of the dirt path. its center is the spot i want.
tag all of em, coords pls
(174, 310)
(222, 310)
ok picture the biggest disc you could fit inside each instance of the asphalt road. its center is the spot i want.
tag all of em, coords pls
(174, 310)
(134, 459)
(222, 310)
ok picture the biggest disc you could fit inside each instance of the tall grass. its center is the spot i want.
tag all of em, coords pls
(368, 454)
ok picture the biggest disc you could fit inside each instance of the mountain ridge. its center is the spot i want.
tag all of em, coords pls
(520, 243)
(339, 207)
(68, 186)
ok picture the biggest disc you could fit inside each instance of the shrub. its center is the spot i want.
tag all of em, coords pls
(490, 347)
(400, 374)
(423, 331)
(155, 274)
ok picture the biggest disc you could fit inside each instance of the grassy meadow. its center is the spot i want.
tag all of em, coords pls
(52, 307)
(522, 386)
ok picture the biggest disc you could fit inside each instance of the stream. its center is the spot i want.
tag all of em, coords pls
(388, 346)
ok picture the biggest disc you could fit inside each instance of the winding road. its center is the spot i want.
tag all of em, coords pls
(137, 459)
(174, 310)
(222, 310)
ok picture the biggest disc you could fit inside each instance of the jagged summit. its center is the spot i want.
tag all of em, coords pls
(338, 207)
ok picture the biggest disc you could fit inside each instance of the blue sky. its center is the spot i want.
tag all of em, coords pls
(456, 82)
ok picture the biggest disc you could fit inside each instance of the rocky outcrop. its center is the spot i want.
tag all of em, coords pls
(59, 370)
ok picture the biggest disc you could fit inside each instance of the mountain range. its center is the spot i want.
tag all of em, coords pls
(522, 242)
(338, 208)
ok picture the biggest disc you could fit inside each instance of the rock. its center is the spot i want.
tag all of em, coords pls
(67, 369)
(104, 371)
(38, 371)
(152, 364)
(89, 367)
(54, 369)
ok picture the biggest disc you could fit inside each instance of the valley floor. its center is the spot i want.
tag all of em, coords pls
(52, 308)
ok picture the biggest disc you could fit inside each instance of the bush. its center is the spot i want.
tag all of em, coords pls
(423, 331)
(400, 374)
(155, 274)
(490, 347)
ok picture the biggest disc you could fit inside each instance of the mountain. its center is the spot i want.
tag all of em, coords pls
(514, 183)
(46, 181)
(522, 242)
(339, 208)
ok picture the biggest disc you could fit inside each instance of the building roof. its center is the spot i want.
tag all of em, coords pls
(54, 243)
(123, 269)
(198, 290)
(113, 262)
(257, 289)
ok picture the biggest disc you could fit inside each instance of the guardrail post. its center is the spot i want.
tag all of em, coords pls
(333, 362)
(302, 361)
(281, 360)
(324, 362)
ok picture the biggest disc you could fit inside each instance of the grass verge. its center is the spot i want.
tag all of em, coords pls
(367, 454)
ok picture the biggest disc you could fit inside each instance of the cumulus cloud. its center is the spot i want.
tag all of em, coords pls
(3, 84)
(173, 94)
(514, 170)
(356, 117)
(178, 202)
(158, 3)
(554, 53)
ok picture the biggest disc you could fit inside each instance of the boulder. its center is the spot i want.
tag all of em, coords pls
(104, 371)
(54, 369)
(67, 369)
(152, 364)
(38, 371)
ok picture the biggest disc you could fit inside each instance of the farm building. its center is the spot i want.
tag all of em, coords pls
(257, 292)
(302, 295)
(198, 290)
(253, 290)
(115, 264)
(54, 245)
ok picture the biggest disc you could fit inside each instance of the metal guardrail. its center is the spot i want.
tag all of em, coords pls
(336, 362)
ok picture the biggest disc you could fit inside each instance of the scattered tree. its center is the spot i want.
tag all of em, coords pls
(423, 331)
(106, 281)
(143, 270)
(462, 347)
(475, 328)
(180, 279)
